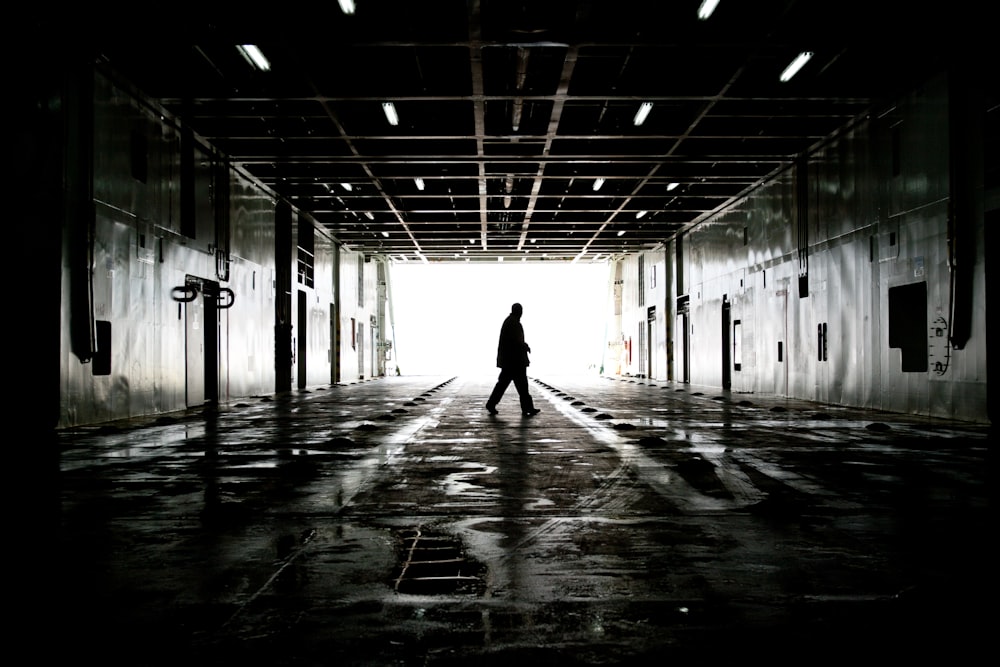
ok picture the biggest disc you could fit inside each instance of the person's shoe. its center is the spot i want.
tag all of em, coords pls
(532, 412)
(491, 409)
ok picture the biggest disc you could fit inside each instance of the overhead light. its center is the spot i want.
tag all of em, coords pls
(706, 9)
(639, 215)
(672, 186)
(796, 65)
(346, 6)
(419, 182)
(368, 214)
(385, 234)
(598, 183)
(390, 113)
(254, 56)
(640, 115)
(621, 232)
(346, 186)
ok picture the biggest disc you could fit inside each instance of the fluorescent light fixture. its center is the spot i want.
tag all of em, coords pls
(254, 56)
(346, 6)
(390, 113)
(796, 65)
(672, 186)
(639, 215)
(368, 214)
(346, 186)
(621, 232)
(598, 183)
(385, 234)
(706, 9)
(419, 182)
(640, 115)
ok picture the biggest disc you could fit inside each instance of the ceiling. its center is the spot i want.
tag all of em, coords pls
(510, 111)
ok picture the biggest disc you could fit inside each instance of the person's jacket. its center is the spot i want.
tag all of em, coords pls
(512, 352)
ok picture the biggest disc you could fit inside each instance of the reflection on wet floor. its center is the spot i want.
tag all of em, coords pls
(396, 521)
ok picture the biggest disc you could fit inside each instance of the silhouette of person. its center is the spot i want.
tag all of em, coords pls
(512, 360)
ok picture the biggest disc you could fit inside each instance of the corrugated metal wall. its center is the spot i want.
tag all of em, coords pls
(169, 243)
(836, 281)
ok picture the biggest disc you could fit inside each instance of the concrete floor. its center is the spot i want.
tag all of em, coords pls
(395, 522)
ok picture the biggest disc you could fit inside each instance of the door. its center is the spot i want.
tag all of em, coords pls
(684, 327)
(781, 378)
(651, 342)
(201, 342)
(210, 292)
(334, 343)
(301, 343)
(194, 344)
(727, 357)
(361, 352)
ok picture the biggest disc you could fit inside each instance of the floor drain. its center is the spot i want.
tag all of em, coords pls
(434, 564)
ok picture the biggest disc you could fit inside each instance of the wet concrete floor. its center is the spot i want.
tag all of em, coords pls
(395, 522)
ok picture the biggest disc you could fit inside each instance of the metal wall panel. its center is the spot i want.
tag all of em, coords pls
(358, 292)
(876, 218)
(140, 262)
(319, 302)
(632, 318)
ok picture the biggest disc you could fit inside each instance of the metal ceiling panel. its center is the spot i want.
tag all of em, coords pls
(510, 110)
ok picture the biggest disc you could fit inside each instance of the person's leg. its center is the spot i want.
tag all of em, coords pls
(521, 383)
(503, 381)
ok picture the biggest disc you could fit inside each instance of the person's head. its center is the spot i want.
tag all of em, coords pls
(516, 309)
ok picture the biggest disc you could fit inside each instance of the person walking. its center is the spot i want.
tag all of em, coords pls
(512, 360)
